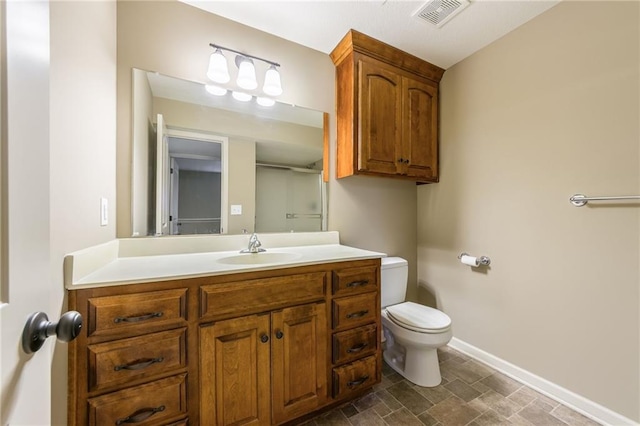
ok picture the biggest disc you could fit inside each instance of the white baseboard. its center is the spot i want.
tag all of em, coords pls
(572, 400)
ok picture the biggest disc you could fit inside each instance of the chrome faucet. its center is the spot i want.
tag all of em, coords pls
(254, 245)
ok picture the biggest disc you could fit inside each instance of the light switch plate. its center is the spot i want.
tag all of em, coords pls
(236, 209)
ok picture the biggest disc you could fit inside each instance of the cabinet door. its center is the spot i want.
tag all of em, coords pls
(420, 129)
(235, 372)
(299, 358)
(380, 115)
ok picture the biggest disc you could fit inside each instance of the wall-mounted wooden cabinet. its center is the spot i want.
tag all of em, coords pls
(387, 111)
(267, 347)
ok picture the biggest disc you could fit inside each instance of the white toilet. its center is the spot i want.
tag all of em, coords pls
(412, 332)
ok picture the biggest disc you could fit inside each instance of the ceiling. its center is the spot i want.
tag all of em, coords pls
(320, 25)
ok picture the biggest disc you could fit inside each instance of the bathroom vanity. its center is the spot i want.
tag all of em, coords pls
(225, 338)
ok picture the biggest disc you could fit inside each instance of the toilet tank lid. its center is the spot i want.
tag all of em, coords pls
(393, 262)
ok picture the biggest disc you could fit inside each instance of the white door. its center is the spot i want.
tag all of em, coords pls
(162, 178)
(25, 391)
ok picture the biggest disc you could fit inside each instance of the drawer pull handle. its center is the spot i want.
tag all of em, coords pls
(357, 314)
(279, 334)
(357, 348)
(358, 382)
(140, 415)
(264, 338)
(139, 364)
(138, 318)
(358, 283)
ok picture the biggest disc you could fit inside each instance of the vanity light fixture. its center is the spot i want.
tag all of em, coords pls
(246, 78)
(218, 70)
(246, 73)
(272, 84)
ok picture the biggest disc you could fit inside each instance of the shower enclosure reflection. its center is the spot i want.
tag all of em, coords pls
(204, 164)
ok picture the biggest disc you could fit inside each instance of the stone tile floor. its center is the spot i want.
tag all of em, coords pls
(470, 394)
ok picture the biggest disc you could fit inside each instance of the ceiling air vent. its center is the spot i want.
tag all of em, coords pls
(439, 12)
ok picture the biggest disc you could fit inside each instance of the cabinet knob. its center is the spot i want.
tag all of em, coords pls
(279, 334)
(400, 160)
(264, 338)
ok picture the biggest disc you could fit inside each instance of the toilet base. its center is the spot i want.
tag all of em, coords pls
(420, 367)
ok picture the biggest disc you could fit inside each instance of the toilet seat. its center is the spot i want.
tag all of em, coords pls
(419, 318)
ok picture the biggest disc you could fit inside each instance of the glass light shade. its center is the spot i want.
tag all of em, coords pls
(218, 70)
(215, 90)
(272, 84)
(241, 96)
(266, 102)
(246, 74)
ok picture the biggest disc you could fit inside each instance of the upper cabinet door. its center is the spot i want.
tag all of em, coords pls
(380, 114)
(420, 129)
(386, 111)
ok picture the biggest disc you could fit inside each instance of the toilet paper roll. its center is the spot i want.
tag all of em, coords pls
(470, 260)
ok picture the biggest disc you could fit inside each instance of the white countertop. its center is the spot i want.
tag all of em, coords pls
(129, 261)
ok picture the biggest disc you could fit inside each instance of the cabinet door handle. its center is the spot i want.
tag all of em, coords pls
(264, 338)
(142, 317)
(401, 160)
(279, 334)
(138, 364)
(358, 283)
(140, 415)
(358, 382)
(357, 314)
(357, 348)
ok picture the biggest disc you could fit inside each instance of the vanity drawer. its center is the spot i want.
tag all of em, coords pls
(355, 310)
(260, 295)
(122, 361)
(353, 344)
(136, 311)
(355, 376)
(153, 403)
(355, 280)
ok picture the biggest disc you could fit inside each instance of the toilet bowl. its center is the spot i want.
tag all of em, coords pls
(412, 332)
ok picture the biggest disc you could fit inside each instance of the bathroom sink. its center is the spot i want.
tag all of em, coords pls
(258, 258)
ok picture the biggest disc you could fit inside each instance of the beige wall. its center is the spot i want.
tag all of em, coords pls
(548, 111)
(82, 155)
(173, 39)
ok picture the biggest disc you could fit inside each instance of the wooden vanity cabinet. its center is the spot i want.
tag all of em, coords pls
(387, 111)
(258, 348)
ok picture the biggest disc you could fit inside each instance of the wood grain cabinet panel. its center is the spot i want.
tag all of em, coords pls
(355, 343)
(387, 111)
(155, 403)
(355, 376)
(235, 378)
(299, 360)
(355, 310)
(355, 280)
(259, 295)
(131, 312)
(121, 361)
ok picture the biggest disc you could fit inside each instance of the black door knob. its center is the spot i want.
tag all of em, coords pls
(38, 328)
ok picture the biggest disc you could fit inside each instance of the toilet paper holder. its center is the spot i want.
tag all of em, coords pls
(474, 261)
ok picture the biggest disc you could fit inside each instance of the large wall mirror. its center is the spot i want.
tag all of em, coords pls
(207, 164)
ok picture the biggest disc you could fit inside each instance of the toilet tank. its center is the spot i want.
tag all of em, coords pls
(394, 273)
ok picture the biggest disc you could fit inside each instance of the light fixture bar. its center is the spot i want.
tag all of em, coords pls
(216, 46)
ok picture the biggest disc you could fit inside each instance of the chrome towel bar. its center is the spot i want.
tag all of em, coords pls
(580, 200)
